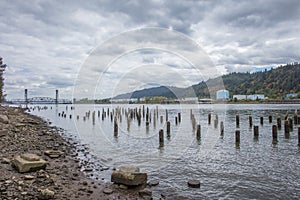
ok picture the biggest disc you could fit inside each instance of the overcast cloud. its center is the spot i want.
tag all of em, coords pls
(45, 43)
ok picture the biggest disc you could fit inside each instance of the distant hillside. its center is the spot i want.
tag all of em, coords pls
(275, 84)
(169, 92)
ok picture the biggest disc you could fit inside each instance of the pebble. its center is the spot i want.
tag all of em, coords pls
(153, 183)
(28, 177)
(107, 191)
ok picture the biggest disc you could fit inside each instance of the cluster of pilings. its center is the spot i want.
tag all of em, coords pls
(153, 117)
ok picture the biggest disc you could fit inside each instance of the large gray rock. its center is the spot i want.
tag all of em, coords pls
(28, 162)
(129, 175)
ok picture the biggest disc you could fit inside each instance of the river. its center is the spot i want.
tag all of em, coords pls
(254, 169)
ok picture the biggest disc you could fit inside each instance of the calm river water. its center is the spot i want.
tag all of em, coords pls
(256, 169)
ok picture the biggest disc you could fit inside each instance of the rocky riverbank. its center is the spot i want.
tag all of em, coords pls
(62, 178)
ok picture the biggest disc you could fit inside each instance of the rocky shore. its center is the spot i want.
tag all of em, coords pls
(62, 178)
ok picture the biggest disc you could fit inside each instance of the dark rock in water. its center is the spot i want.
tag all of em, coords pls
(28, 162)
(107, 191)
(194, 183)
(129, 175)
(153, 183)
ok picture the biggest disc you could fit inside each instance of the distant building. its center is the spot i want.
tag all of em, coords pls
(240, 97)
(255, 97)
(294, 95)
(222, 94)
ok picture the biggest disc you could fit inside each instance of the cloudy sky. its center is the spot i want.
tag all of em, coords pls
(50, 45)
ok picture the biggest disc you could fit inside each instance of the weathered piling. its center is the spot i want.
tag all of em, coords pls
(222, 128)
(77, 117)
(161, 119)
(167, 117)
(216, 123)
(168, 129)
(295, 119)
(70, 116)
(256, 131)
(179, 117)
(198, 132)
(250, 121)
(115, 127)
(143, 111)
(274, 134)
(161, 137)
(279, 123)
(290, 124)
(298, 136)
(237, 137)
(176, 121)
(286, 129)
(237, 121)
(270, 118)
(209, 118)
(191, 113)
(261, 120)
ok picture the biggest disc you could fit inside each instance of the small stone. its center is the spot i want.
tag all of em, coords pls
(145, 192)
(84, 183)
(88, 169)
(194, 183)
(47, 194)
(53, 153)
(107, 191)
(124, 187)
(4, 119)
(28, 177)
(5, 161)
(153, 183)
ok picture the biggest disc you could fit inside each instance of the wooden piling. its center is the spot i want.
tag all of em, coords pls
(290, 124)
(161, 119)
(279, 123)
(222, 128)
(115, 127)
(167, 117)
(256, 131)
(237, 137)
(209, 118)
(198, 132)
(179, 117)
(261, 120)
(168, 129)
(286, 129)
(270, 119)
(237, 121)
(216, 123)
(250, 121)
(161, 137)
(176, 121)
(295, 119)
(274, 134)
(299, 136)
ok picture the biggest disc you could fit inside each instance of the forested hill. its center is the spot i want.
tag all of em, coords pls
(274, 84)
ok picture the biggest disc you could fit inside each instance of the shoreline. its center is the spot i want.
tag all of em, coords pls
(21, 132)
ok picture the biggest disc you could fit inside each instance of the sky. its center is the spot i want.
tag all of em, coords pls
(101, 48)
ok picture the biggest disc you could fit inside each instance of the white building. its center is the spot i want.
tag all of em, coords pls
(222, 94)
(240, 97)
(255, 97)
